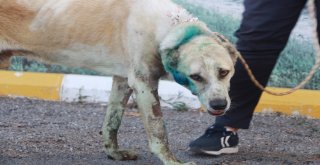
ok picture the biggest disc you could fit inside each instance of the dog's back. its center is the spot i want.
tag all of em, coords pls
(70, 32)
(94, 34)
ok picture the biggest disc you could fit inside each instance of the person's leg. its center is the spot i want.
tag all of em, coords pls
(317, 3)
(263, 33)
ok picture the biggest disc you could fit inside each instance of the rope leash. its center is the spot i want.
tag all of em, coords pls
(312, 13)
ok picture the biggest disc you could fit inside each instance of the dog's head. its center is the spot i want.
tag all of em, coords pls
(203, 62)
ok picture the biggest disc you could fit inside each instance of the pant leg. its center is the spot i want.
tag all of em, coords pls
(317, 3)
(263, 34)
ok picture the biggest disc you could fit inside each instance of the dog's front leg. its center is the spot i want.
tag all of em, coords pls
(120, 94)
(146, 92)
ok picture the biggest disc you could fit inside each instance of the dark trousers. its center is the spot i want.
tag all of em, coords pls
(263, 34)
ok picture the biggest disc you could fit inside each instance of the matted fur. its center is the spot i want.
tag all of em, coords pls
(137, 41)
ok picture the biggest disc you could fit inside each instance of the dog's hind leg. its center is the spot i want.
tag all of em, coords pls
(146, 90)
(120, 94)
(5, 59)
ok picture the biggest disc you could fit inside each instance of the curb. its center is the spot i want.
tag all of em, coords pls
(302, 102)
(77, 88)
(96, 89)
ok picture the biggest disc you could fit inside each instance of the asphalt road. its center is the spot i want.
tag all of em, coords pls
(53, 133)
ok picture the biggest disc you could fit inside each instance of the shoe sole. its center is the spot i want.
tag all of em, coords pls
(230, 150)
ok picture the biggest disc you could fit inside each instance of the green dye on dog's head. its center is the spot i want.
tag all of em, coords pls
(200, 62)
(170, 55)
(188, 33)
(184, 80)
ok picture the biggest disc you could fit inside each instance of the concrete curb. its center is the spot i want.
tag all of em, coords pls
(96, 89)
(301, 102)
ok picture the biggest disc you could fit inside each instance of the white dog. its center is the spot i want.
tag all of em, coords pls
(136, 41)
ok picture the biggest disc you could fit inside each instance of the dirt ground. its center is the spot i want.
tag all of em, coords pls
(53, 133)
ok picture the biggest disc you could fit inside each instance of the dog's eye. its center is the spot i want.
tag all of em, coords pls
(223, 73)
(196, 77)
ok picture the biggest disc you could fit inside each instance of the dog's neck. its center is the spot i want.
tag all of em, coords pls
(181, 16)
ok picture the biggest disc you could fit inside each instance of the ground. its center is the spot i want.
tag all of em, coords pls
(50, 133)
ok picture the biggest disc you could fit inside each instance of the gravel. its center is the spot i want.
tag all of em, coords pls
(51, 133)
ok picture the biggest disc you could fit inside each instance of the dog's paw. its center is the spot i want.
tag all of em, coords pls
(122, 155)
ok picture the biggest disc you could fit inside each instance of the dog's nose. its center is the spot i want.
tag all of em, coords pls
(218, 104)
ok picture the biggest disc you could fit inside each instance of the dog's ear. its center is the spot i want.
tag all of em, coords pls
(228, 45)
(178, 36)
(173, 40)
(170, 62)
(169, 49)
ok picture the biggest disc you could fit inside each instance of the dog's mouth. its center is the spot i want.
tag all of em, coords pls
(214, 112)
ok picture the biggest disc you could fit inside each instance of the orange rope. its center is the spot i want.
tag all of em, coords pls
(312, 12)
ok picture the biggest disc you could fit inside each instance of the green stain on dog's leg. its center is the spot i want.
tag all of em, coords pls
(120, 94)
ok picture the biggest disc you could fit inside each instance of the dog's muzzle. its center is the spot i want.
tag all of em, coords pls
(217, 107)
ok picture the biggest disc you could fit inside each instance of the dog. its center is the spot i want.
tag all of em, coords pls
(136, 41)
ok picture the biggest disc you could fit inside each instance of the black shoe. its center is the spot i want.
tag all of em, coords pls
(215, 141)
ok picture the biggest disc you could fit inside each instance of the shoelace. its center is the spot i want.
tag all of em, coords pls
(214, 129)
